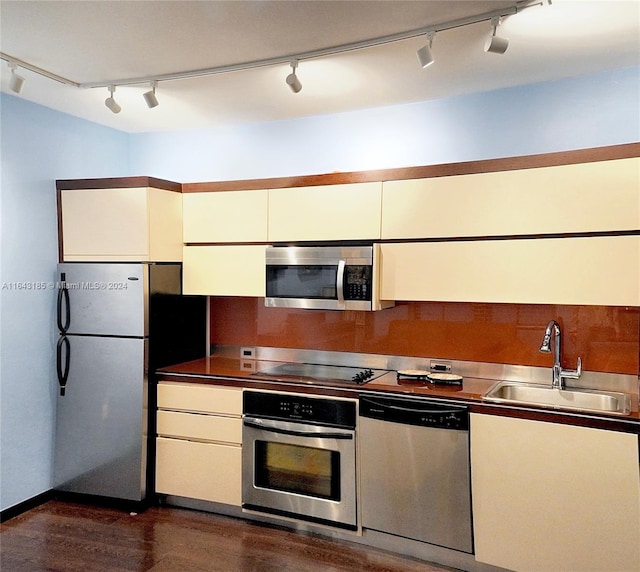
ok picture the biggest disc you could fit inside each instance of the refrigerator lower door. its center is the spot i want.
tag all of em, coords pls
(101, 426)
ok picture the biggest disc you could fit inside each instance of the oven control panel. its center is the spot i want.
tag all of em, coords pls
(281, 406)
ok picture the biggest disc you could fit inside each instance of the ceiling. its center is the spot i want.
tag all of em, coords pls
(105, 41)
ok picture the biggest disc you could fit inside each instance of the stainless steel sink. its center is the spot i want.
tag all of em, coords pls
(571, 398)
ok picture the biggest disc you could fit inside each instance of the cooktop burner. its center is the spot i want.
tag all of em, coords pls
(309, 373)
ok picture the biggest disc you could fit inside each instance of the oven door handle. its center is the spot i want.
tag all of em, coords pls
(311, 434)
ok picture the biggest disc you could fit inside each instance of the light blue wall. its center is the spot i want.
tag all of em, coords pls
(582, 112)
(38, 146)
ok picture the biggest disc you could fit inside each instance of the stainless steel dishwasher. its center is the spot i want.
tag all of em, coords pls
(415, 474)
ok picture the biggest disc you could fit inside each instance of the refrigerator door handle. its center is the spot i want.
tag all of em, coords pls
(63, 293)
(63, 372)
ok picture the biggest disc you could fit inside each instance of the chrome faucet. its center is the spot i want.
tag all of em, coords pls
(557, 373)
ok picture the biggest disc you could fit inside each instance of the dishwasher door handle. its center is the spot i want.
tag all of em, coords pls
(451, 409)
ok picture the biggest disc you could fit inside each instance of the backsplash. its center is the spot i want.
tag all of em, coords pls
(606, 337)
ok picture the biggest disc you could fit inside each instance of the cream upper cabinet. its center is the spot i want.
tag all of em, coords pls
(226, 216)
(224, 270)
(601, 196)
(585, 270)
(329, 212)
(199, 443)
(121, 224)
(554, 497)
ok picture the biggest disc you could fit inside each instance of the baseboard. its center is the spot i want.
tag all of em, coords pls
(24, 506)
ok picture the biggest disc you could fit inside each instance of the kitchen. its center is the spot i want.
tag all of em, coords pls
(589, 111)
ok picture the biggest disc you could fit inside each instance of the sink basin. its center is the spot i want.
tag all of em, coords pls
(571, 398)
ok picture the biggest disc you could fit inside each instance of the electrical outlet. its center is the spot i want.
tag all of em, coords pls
(248, 365)
(247, 353)
(440, 366)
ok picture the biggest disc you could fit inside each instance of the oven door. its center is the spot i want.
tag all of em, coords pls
(301, 471)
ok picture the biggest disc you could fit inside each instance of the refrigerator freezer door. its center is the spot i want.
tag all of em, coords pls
(102, 420)
(106, 299)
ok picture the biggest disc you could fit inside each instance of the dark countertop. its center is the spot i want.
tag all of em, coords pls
(226, 371)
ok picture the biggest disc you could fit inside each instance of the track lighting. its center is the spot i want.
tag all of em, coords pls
(150, 96)
(16, 81)
(111, 103)
(292, 79)
(425, 57)
(496, 44)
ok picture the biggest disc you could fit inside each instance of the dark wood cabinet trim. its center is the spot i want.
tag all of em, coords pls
(443, 170)
(118, 183)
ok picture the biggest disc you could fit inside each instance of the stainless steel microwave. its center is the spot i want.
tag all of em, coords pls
(324, 277)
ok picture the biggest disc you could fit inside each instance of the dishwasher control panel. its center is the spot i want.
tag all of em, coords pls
(418, 412)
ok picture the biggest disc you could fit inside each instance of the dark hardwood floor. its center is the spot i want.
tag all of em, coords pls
(62, 536)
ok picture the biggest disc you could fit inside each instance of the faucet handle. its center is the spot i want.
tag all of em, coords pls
(572, 373)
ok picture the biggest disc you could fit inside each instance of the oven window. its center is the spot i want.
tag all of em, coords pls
(308, 281)
(296, 469)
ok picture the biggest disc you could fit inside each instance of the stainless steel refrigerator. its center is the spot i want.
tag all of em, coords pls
(118, 323)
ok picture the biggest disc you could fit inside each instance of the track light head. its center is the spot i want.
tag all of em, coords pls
(292, 79)
(496, 44)
(16, 81)
(111, 103)
(150, 96)
(425, 57)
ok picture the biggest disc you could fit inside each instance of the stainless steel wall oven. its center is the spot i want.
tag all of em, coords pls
(298, 458)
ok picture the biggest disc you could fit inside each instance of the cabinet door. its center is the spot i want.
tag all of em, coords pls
(233, 216)
(600, 196)
(105, 224)
(591, 271)
(554, 497)
(204, 471)
(330, 212)
(233, 270)
(127, 224)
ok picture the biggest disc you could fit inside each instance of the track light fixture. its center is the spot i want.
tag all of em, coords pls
(292, 79)
(150, 96)
(425, 57)
(111, 103)
(496, 44)
(16, 81)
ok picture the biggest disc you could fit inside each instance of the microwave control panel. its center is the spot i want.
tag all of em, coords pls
(357, 283)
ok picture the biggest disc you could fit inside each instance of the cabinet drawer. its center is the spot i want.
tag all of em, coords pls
(200, 398)
(202, 471)
(200, 426)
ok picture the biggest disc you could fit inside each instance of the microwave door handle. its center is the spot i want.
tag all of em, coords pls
(340, 283)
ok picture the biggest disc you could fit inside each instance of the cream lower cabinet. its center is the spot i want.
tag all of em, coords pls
(121, 224)
(225, 270)
(554, 498)
(199, 443)
(586, 270)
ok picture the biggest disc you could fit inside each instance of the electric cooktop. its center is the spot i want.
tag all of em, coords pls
(315, 373)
